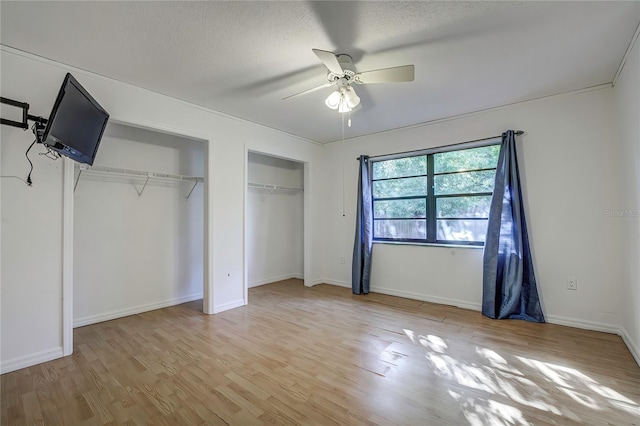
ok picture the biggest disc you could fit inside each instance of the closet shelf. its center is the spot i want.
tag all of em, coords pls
(273, 188)
(133, 176)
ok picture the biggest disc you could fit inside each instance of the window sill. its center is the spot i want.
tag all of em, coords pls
(407, 243)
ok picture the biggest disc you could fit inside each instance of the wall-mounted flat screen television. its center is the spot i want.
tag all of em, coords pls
(76, 123)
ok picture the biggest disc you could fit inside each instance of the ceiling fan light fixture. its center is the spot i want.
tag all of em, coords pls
(351, 98)
(341, 74)
(333, 101)
(344, 106)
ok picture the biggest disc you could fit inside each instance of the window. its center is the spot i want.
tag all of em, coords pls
(434, 196)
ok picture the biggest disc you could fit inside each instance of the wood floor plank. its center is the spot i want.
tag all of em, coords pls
(322, 356)
(97, 407)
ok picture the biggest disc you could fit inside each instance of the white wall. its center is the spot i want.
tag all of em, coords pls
(570, 177)
(134, 253)
(627, 98)
(32, 217)
(275, 223)
(31, 238)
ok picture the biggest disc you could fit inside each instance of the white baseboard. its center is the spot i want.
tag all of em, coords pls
(229, 305)
(633, 348)
(29, 360)
(408, 295)
(584, 324)
(264, 281)
(93, 319)
(427, 298)
(333, 282)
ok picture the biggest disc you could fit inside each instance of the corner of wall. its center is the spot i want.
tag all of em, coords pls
(633, 348)
(627, 107)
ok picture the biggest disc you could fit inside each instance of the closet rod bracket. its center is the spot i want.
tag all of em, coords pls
(192, 188)
(75, 185)
(81, 169)
(149, 176)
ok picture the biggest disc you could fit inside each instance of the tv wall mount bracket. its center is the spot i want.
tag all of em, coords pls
(39, 122)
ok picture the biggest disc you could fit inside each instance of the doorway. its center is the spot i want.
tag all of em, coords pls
(138, 225)
(274, 219)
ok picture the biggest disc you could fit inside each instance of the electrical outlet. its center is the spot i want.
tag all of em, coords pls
(342, 260)
(572, 283)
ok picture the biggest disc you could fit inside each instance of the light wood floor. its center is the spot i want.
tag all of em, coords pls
(322, 356)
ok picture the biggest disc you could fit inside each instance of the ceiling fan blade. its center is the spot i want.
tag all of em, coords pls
(309, 90)
(330, 61)
(387, 75)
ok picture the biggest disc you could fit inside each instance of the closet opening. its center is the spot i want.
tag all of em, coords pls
(275, 221)
(138, 225)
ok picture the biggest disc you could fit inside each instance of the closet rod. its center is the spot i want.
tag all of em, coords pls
(273, 187)
(137, 173)
(147, 175)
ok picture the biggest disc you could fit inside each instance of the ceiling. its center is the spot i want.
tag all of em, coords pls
(242, 58)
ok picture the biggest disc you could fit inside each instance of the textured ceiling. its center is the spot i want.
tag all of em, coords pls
(242, 58)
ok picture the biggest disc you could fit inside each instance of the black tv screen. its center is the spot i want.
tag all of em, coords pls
(76, 123)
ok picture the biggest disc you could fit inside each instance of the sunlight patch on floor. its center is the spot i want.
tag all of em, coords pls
(496, 360)
(567, 379)
(629, 408)
(495, 382)
(410, 334)
(480, 412)
(501, 379)
(434, 343)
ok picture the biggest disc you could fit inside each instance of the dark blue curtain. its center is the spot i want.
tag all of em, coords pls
(361, 266)
(509, 283)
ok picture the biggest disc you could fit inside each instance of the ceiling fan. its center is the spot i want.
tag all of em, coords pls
(342, 74)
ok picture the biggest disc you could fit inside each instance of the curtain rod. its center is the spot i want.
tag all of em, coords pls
(517, 132)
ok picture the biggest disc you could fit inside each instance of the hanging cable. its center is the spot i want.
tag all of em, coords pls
(342, 155)
(26, 154)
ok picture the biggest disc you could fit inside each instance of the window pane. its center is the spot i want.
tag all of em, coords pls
(408, 166)
(477, 206)
(400, 187)
(462, 230)
(485, 157)
(400, 229)
(461, 183)
(400, 208)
